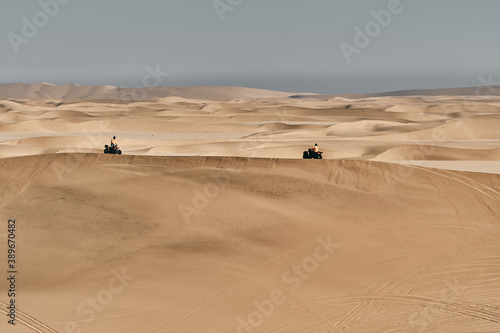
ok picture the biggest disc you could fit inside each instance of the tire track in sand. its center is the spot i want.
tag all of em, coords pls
(29, 321)
(475, 310)
(205, 301)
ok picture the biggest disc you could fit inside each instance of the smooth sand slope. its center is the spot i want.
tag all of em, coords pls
(211, 222)
(213, 244)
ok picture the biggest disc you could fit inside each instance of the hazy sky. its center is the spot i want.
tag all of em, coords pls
(289, 45)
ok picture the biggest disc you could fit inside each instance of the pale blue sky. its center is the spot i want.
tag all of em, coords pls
(289, 45)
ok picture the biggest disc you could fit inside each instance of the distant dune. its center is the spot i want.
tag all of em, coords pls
(72, 91)
(459, 127)
(466, 91)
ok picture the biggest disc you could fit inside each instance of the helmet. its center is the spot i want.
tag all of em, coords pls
(114, 137)
(315, 144)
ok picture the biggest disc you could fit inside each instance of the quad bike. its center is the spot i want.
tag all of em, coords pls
(112, 150)
(311, 154)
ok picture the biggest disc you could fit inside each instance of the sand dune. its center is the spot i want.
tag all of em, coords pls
(42, 91)
(71, 91)
(211, 221)
(480, 91)
(281, 127)
(425, 152)
(391, 265)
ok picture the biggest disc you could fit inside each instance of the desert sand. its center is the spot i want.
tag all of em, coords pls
(211, 221)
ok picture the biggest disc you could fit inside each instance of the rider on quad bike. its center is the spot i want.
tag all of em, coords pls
(113, 149)
(313, 153)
